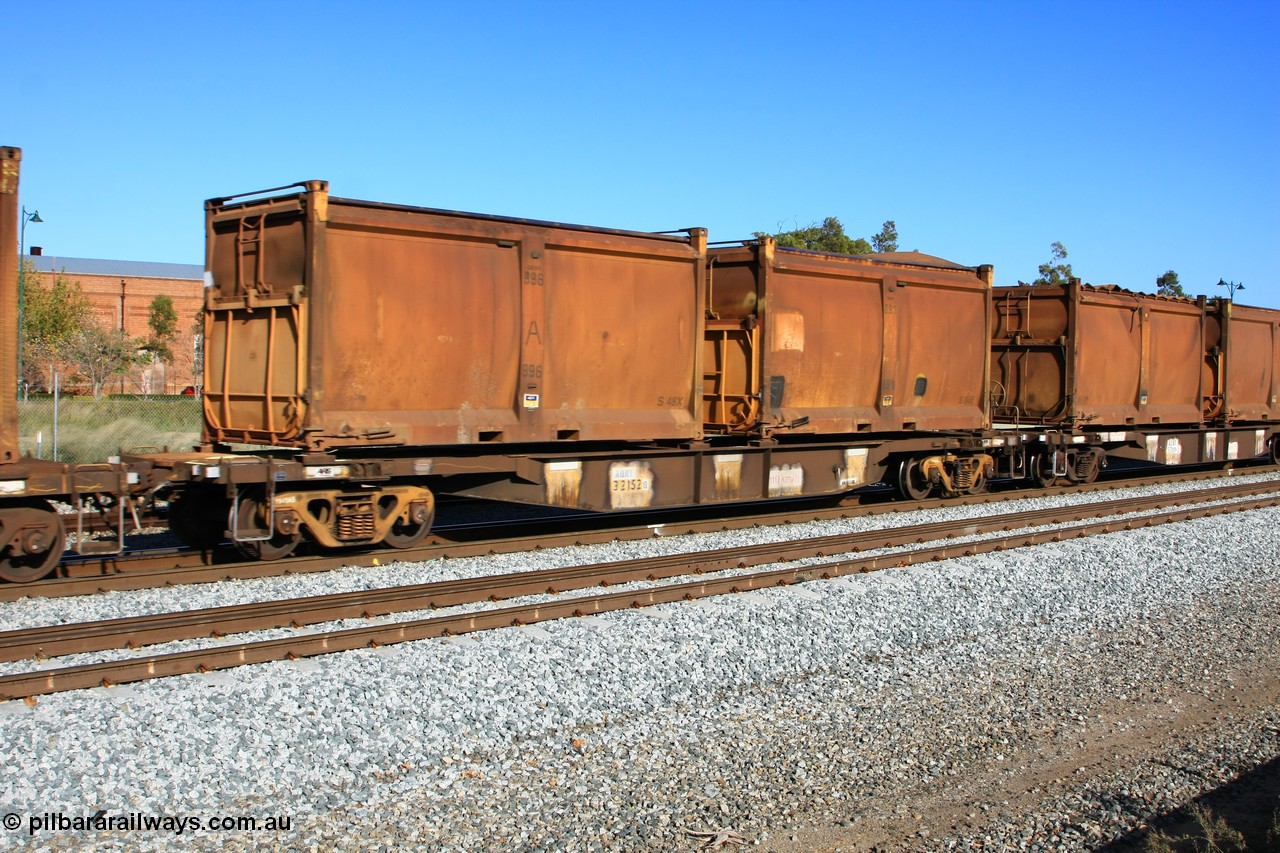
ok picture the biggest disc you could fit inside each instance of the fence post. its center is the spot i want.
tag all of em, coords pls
(55, 416)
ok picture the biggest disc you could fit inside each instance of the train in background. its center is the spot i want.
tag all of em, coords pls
(33, 533)
(362, 358)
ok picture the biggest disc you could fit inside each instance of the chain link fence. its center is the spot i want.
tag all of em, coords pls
(87, 430)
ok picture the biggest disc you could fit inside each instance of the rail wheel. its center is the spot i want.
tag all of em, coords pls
(252, 517)
(33, 541)
(406, 534)
(1275, 450)
(912, 483)
(199, 516)
(1042, 470)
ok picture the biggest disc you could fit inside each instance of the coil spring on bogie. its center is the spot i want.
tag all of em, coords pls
(1084, 464)
(355, 520)
(965, 474)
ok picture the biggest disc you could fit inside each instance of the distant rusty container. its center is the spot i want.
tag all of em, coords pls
(339, 323)
(1076, 355)
(1243, 363)
(10, 168)
(808, 342)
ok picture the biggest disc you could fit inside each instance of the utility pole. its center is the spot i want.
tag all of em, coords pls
(122, 329)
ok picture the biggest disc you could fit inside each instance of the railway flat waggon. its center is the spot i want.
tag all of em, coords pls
(362, 358)
(33, 532)
(389, 353)
(888, 351)
(1103, 373)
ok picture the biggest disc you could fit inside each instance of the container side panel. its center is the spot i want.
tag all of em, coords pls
(824, 345)
(1252, 363)
(423, 335)
(1108, 362)
(939, 369)
(1174, 367)
(620, 341)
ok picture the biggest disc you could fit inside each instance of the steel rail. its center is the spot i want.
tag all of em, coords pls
(133, 632)
(171, 567)
(205, 660)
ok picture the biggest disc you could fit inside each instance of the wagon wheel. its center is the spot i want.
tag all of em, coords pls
(253, 516)
(1042, 470)
(34, 540)
(912, 483)
(198, 515)
(407, 534)
(1275, 449)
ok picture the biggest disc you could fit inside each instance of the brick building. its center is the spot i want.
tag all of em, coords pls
(127, 288)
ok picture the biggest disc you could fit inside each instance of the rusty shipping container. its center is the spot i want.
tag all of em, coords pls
(1242, 366)
(10, 168)
(807, 342)
(339, 323)
(1076, 355)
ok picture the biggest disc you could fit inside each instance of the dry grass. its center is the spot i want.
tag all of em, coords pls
(1215, 836)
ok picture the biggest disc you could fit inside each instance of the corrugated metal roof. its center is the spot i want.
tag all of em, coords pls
(124, 269)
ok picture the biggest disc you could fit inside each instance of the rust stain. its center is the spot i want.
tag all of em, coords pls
(564, 483)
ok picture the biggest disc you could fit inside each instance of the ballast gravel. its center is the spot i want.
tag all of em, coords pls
(817, 705)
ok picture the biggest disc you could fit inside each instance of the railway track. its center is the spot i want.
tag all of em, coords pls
(172, 566)
(138, 631)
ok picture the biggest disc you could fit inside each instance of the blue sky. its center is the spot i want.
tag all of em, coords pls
(1145, 136)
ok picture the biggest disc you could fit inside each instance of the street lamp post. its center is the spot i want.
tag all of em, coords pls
(33, 216)
(1231, 287)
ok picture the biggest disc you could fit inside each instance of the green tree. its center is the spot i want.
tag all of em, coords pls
(100, 354)
(197, 360)
(1167, 285)
(162, 319)
(887, 239)
(1055, 271)
(51, 316)
(826, 237)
